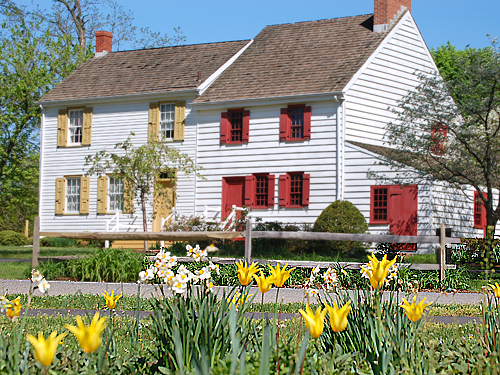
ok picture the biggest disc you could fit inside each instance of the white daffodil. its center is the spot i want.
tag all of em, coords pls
(189, 250)
(330, 276)
(163, 255)
(214, 267)
(36, 276)
(147, 275)
(211, 248)
(210, 286)
(162, 272)
(179, 287)
(315, 270)
(311, 292)
(204, 273)
(169, 278)
(172, 261)
(43, 286)
(182, 277)
(3, 303)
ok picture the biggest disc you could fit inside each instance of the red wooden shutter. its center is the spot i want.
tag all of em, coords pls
(284, 124)
(284, 196)
(224, 127)
(479, 212)
(250, 191)
(245, 136)
(271, 181)
(307, 122)
(306, 189)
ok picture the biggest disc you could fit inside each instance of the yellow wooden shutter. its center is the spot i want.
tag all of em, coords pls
(153, 129)
(62, 128)
(102, 195)
(87, 126)
(128, 198)
(180, 120)
(84, 195)
(60, 193)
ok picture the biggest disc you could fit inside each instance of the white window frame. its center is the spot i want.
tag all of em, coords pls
(115, 199)
(167, 121)
(75, 125)
(72, 195)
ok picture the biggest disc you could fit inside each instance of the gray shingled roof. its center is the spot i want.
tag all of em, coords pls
(144, 71)
(299, 58)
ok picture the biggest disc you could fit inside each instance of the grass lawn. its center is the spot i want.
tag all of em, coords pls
(14, 270)
(21, 252)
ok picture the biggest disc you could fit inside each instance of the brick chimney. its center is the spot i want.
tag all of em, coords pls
(385, 12)
(103, 41)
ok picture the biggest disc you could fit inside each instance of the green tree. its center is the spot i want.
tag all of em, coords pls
(31, 62)
(448, 129)
(141, 169)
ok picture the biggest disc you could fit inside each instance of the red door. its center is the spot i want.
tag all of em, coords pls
(403, 207)
(233, 193)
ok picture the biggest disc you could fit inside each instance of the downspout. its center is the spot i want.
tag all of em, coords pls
(195, 161)
(339, 99)
(40, 165)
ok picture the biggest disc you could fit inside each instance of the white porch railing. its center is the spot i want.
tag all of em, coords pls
(227, 224)
(164, 220)
(130, 227)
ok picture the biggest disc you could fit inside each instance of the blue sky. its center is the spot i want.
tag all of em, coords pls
(462, 22)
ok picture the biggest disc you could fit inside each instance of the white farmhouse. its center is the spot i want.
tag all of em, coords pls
(285, 123)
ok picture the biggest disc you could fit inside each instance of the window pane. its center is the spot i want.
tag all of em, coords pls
(236, 119)
(380, 204)
(75, 126)
(115, 194)
(261, 191)
(167, 117)
(297, 119)
(296, 190)
(73, 195)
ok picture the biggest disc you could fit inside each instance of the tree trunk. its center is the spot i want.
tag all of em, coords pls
(144, 218)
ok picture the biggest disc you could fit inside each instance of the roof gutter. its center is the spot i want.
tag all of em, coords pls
(107, 99)
(335, 95)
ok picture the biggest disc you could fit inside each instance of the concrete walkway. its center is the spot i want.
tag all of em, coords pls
(286, 295)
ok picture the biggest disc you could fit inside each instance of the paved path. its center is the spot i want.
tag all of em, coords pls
(285, 295)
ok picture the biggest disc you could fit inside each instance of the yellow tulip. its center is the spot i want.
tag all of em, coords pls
(379, 270)
(496, 289)
(264, 283)
(245, 272)
(238, 300)
(280, 275)
(45, 349)
(14, 308)
(315, 322)
(111, 299)
(88, 337)
(338, 317)
(414, 311)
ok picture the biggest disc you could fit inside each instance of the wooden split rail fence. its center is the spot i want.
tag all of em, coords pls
(250, 234)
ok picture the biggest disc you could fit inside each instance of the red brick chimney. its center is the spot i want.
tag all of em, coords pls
(386, 11)
(103, 41)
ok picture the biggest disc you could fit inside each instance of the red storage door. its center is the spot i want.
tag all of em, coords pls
(403, 207)
(233, 193)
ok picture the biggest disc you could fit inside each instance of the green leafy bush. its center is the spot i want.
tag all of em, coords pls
(11, 238)
(477, 253)
(341, 217)
(57, 242)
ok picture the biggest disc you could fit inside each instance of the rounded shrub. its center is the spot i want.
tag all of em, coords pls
(11, 238)
(341, 217)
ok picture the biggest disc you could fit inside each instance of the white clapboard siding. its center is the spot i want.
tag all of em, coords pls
(264, 153)
(111, 123)
(389, 76)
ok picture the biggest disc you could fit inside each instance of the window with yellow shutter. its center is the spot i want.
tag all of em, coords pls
(72, 195)
(74, 127)
(167, 121)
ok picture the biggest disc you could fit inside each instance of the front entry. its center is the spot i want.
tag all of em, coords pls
(403, 203)
(163, 204)
(233, 193)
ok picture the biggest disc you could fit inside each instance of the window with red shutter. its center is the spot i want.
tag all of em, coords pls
(261, 190)
(235, 126)
(294, 190)
(379, 205)
(439, 132)
(295, 123)
(250, 191)
(479, 212)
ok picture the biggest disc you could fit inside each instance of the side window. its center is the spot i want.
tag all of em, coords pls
(167, 121)
(74, 127)
(294, 190)
(439, 132)
(115, 194)
(378, 204)
(72, 195)
(259, 191)
(479, 212)
(295, 123)
(235, 126)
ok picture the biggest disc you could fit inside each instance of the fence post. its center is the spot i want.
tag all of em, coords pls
(443, 253)
(248, 241)
(26, 228)
(36, 242)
